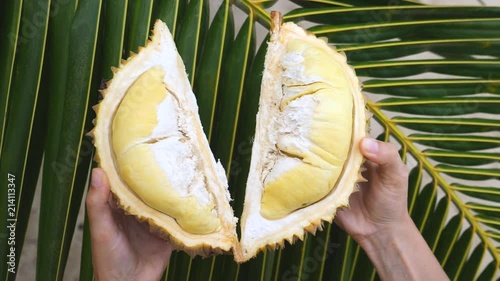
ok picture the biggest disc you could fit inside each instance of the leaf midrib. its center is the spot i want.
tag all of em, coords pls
(335, 10)
(333, 29)
(375, 45)
(423, 62)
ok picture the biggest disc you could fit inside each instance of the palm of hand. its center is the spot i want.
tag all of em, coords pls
(137, 250)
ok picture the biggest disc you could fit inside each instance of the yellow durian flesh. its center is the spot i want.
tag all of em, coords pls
(314, 128)
(146, 161)
(150, 143)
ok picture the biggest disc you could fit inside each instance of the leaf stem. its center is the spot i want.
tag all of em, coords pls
(255, 8)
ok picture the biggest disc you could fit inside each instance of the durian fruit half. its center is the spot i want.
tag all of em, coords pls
(305, 157)
(151, 144)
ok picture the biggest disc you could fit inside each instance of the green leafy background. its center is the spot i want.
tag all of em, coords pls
(431, 75)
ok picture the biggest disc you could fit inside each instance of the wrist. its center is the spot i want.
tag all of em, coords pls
(399, 252)
(393, 237)
(386, 248)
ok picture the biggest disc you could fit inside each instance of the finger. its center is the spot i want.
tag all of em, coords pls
(339, 218)
(384, 154)
(112, 203)
(368, 166)
(102, 223)
(345, 215)
(141, 231)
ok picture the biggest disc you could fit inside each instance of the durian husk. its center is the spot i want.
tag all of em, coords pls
(161, 50)
(257, 232)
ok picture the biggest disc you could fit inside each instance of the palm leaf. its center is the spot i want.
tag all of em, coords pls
(191, 37)
(208, 77)
(86, 269)
(430, 73)
(67, 164)
(9, 24)
(21, 151)
(137, 24)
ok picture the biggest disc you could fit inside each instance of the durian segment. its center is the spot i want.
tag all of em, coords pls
(157, 159)
(305, 156)
(150, 142)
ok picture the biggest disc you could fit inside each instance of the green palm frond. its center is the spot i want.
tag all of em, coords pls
(431, 75)
(24, 106)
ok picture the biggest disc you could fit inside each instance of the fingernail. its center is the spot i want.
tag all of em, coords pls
(370, 146)
(96, 180)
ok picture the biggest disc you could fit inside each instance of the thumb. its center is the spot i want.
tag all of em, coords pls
(385, 155)
(101, 219)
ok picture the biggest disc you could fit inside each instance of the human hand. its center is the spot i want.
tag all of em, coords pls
(381, 203)
(122, 248)
(378, 219)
